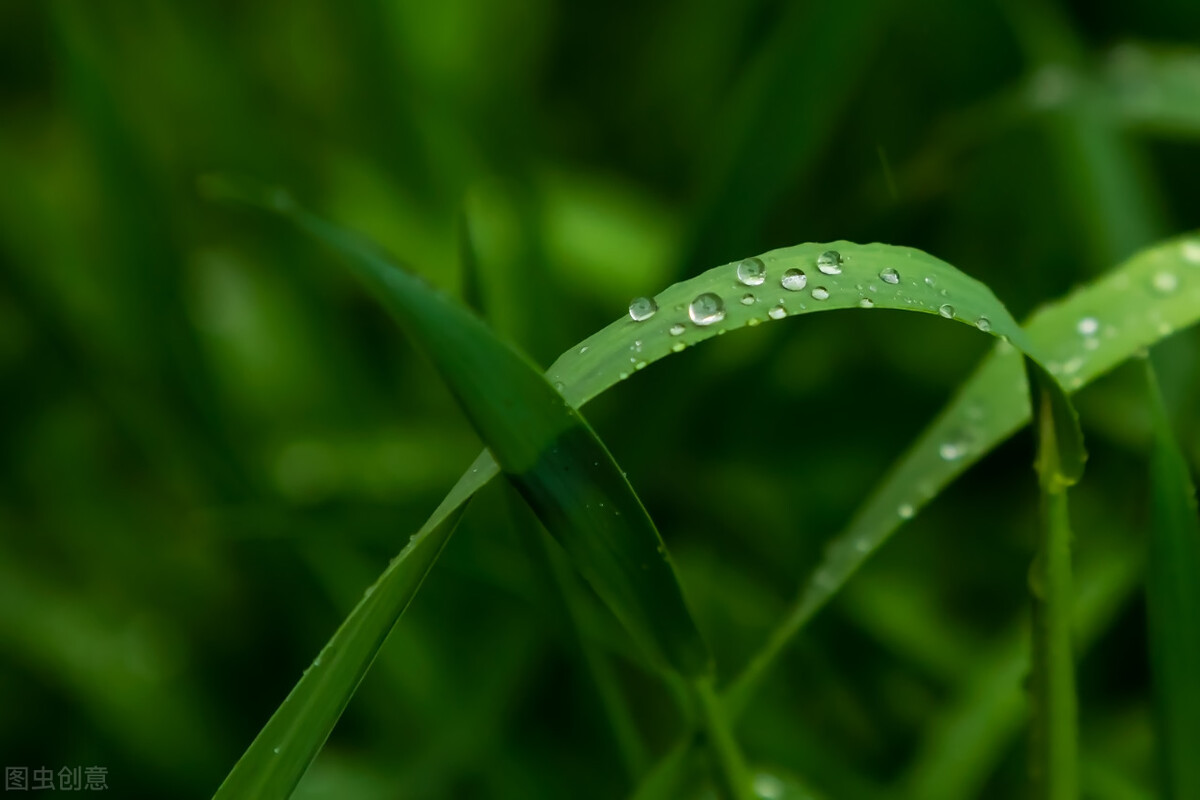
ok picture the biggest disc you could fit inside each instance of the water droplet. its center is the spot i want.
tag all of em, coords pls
(636, 346)
(1072, 366)
(623, 375)
(676, 329)
(559, 385)
(642, 308)
(1088, 326)
(862, 545)
(752, 322)
(583, 349)
(706, 309)
(830, 262)
(1191, 252)
(947, 311)
(1165, 282)
(778, 312)
(820, 293)
(678, 347)
(640, 365)
(952, 451)
(984, 324)
(889, 275)
(276, 749)
(794, 280)
(748, 299)
(752, 271)
(905, 511)
(930, 281)
(866, 302)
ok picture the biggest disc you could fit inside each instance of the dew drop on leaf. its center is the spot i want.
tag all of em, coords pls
(642, 308)
(905, 511)
(866, 302)
(676, 329)
(778, 312)
(1088, 326)
(889, 275)
(984, 324)
(820, 293)
(748, 299)
(830, 262)
(751, 271)
(1165, 282)
(706, 309)
(947, 311)
(794, 280)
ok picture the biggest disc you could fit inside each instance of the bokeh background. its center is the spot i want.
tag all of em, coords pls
(211, 440)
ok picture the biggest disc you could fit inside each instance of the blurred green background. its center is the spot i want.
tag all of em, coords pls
(212, 440)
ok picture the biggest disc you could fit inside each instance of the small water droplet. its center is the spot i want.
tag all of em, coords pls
(1088, 326)
(930, 281)
(778, 312)
(862, 545)
(676, 329)
(794, 280)
(276, 749)
(640, 365)
(905, 511)
(748, 299)
(752, 322)
(583, 349)
(751, 271)
(678, 347)
(889, 275)
(866, 302)
(952, 451)
(623, 375)
(947, 311)
(984, 324)
(1166, 282)
(820, 293)
(1191, 252)
(636, 346)
(706, 309)
(559, 385)
(642, 308)
(1072, 366)
(768, 787)
(830, 262)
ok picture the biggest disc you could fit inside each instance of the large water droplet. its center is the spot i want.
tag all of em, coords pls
(794, 280)
(676, 329)
(752, 271)
(889, 275)
(947, 311)
(642, 308)
(984, 324)
(748, 299)
(778, 312)
(830, 262)
(820, 293)
(706, 309)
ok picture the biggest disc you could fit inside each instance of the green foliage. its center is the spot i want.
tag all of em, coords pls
(216, 448)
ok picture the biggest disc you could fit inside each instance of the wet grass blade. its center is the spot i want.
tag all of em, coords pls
(1085, 335)
(1173, 605)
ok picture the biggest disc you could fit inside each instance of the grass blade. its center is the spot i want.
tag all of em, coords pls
(1146, 299)
(278, 757)
(1173, 604)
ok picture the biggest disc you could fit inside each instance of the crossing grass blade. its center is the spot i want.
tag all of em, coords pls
(1173, 604)
(553, 459)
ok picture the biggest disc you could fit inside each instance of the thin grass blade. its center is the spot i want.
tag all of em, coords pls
(1173, 604)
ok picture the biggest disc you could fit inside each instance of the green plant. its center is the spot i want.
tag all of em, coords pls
(554, 460)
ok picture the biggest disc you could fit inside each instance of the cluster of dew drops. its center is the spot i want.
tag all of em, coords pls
(708, 308)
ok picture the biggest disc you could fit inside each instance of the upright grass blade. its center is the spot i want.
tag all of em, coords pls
(1173, 605)
(1054, 734)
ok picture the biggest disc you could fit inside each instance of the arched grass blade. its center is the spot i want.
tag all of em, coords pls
(1144, 300)
(1173, 605)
